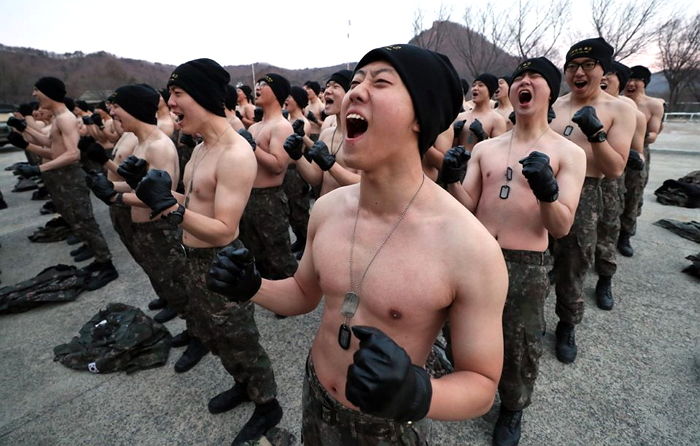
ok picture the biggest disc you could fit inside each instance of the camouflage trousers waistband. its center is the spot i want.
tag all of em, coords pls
(198, 253)
(527, 257)
(333, 413)
(266, 190)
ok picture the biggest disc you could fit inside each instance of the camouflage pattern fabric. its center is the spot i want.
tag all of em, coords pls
(274, 437)
(297, 192)
(523, 324)
(59, 283)
(573, 254)
(159, 252)
(635, 182)
(120, 215)
(264, 230)
(228, 329)
(327, 422)
(608, 226)
(71, 196)
(121, 337)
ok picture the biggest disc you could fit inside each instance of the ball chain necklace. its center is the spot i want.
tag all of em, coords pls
(352, 297)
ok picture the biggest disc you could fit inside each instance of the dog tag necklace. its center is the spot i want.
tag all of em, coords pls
(352, 297)
(505, 189)
(569, 128)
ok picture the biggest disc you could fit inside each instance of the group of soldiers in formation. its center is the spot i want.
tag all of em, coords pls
(432, 213)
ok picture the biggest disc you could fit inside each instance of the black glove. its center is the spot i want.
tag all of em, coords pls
(27, 170)
(258, 114)
(319, 153)
(285, 113)
(458, 127)
(85, 142)
(294, 145)
(25, 109)
(323, 115)
(187, 140)
(248, 137)
(155, 191)
(587, 121)
(311, 117)
(540, 176)
(239, 115)
(550, 115)
(382, 381)
(97, 119)
(298, 127)
(19, 124)
(133, 169)
(478, 130)
(454, 165)
(234, 274)
(17, 140)
(634, 161)
(87, 120)
(97, 153)
(511, 116)
(101, 187)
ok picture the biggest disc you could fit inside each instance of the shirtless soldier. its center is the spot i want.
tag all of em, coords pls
(218, 180)
(372, 388)
(636, 180)
(322, 163)
(522, 185)
(313, 110)
(69, 192)
(603, 126)
(155, 243)
(265, 222)
(503, 105)
(612, 191)
(482, 121)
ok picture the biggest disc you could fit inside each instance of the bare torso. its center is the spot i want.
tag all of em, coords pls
(608, 109)
(334, 141)
(122, 149)
(410, 303)
(269, 135)
(491, 121)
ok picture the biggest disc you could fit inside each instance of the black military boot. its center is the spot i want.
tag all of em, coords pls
(566, 342)
(193, 354)
(623, 245)
(229, 399)
(181, 339)
(265, 417)
(165, 315)
(603, 293)
(83, 252)
(101, 274)
(507, 429)
(157, 304)
(72, 239)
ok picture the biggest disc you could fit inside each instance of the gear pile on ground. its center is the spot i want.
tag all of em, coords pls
(55, 230)
(60, 283)
(684, 192)
(119, 338)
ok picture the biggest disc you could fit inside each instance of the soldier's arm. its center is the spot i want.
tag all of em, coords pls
(475, 327)
(558, 216)
(654, 124)
(610, 156)
(469, 192)
(275, 159)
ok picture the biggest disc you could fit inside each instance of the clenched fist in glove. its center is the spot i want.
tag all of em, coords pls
(382, 381)
(540, 176)
(234, 274)
(133, 169)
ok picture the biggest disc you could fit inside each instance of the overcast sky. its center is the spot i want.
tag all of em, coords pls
(289, 34)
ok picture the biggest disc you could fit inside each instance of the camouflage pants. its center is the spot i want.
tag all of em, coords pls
(121, 221)
(159, 253)
(227, 329)
(297, 192)
(327, 422)
(573, 254)
(71, 196)
(523, 324)
(264, 231)
(608, 226)
(635, 182)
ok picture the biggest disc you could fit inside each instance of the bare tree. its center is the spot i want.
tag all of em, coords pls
(433, 38)
(535, 31)
(480, 45)
(627, 27)
(679, 51)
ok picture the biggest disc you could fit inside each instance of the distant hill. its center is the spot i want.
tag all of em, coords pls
(21, 67)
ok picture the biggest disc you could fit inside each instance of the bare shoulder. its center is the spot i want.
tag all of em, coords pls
(163, 146)
(327, 134)
(566, 148)
(492, 143)
(656, 105)
(335, 203)
(65, 121)
(236, 155)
